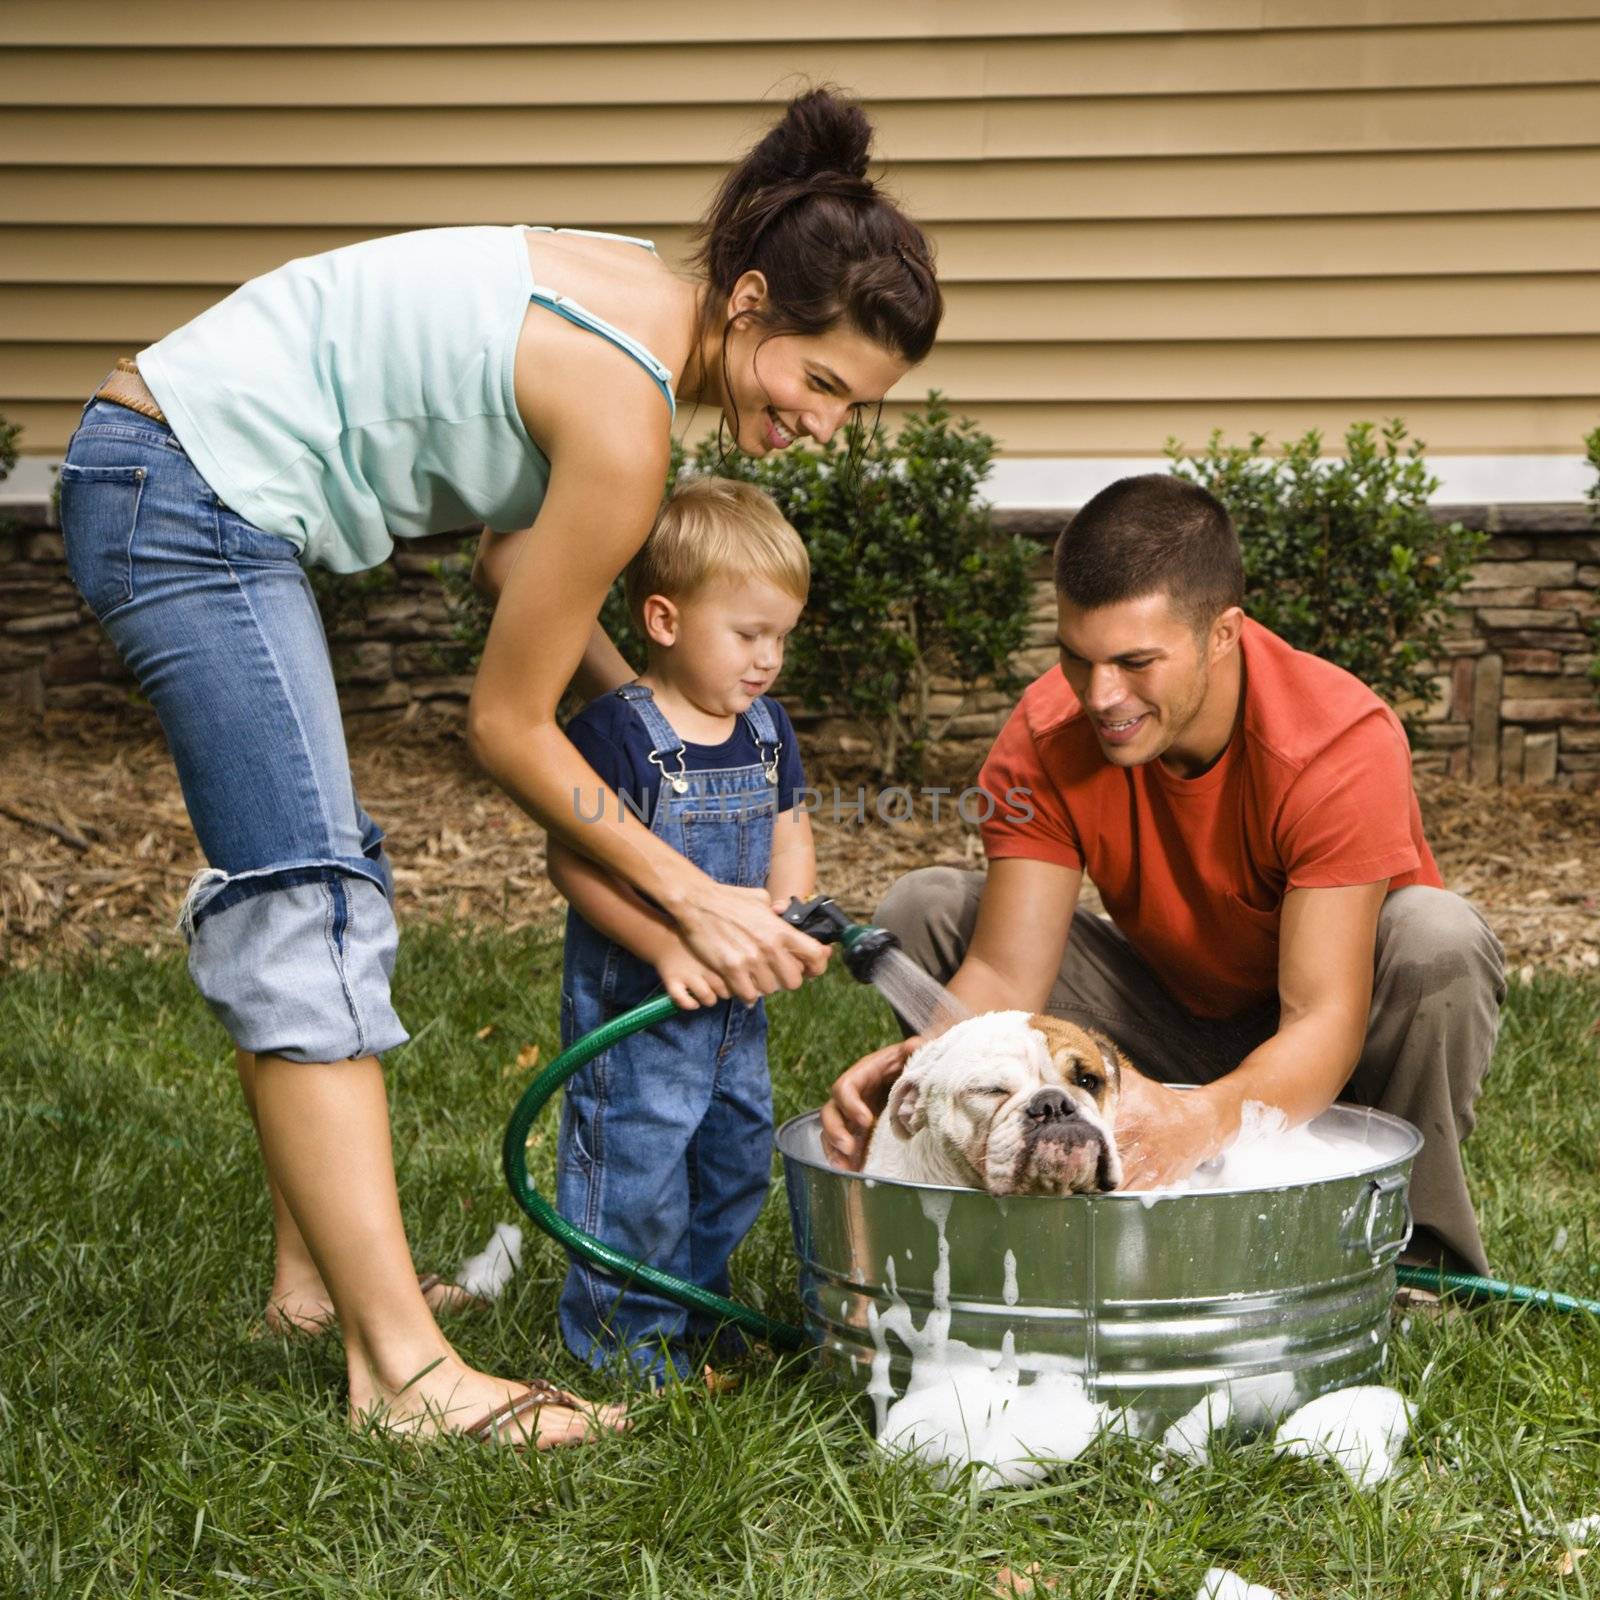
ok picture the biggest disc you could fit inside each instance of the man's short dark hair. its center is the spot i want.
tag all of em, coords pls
(1152, 534)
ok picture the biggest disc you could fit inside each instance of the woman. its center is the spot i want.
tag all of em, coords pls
(522, 378)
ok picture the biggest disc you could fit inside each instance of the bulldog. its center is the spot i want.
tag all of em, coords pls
(1008, 1102)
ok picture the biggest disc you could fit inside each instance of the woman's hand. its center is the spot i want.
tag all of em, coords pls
(689, 981)
(859, 1095)
(737, 934)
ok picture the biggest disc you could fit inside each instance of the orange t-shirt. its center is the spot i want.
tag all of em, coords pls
(1314, 791)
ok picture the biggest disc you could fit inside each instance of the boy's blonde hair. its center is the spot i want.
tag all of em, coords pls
(716, 528)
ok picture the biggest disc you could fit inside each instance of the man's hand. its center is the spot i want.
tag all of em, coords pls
(859, 1094)
(1162, 1134)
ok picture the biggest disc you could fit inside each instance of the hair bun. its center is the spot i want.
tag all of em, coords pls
(821, 132)
(832, 246)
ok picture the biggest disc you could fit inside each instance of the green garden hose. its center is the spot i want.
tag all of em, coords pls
(514, 1155)
(863, 945)
(1472, 1287)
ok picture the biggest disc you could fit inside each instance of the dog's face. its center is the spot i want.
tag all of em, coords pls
(1025, 1110)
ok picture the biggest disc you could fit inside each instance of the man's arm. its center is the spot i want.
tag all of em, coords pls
(1326, 945)
(1024, 917)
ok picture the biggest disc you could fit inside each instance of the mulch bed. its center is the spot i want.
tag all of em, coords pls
(96, 850)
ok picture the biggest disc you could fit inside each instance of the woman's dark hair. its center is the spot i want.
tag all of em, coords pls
(800, 210)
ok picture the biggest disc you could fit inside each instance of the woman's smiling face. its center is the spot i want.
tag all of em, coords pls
(787, 386)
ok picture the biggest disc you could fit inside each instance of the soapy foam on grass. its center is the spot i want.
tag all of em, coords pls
(1189, 1438)
(487, 1273)
(1221, 1584)
(1362, 1430)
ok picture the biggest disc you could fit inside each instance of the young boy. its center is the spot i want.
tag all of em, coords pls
(666, 1139)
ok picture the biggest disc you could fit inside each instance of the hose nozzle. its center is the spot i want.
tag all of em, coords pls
(864, 945)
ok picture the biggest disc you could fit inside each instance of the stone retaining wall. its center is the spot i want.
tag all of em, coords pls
(1516, 702)
(390, 638)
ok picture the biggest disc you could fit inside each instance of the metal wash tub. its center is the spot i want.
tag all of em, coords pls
(1280, 1294)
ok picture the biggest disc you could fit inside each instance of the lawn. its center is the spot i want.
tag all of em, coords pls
(149, 1445)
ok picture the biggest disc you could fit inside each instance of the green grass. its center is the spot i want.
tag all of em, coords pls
(149, 1446)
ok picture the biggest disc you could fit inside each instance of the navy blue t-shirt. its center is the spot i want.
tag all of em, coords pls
(612, 738)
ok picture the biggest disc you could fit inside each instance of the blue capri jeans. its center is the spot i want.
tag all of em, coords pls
(291, 927)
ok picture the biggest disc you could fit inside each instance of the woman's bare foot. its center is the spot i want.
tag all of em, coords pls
(451, 1397)
(307, 1308)
(290, 1315)
(299, 1302)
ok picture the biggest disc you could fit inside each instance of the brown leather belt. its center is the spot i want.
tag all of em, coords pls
(124, 387)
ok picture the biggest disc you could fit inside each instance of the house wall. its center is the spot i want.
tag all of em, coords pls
(1154, 217)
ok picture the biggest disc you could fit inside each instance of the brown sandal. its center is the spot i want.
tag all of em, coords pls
(541, 1393)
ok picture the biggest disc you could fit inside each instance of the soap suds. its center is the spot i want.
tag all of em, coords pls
(487, 1273)
(966, 1405)
(1221, 1584)
(1268, 1154)
(1189, 1438)
(1362, 1430)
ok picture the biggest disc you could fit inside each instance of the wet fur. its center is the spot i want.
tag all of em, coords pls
(947, 1123)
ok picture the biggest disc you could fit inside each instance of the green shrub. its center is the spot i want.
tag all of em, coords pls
(1343, 557)
(9, 433)
(909, 580)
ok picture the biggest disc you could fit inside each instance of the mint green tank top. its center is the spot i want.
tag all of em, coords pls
(347, 400)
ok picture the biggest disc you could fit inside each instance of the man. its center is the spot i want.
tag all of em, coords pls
(1279, 932)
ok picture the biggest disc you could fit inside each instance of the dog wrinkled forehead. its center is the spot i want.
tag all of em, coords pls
(995, 1039)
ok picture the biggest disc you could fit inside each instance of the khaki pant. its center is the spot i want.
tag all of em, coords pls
(1437, 988)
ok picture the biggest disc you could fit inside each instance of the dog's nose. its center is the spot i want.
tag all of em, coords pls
(1051, 1105)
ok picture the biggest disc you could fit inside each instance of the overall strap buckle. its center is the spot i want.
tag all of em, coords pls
(768, 745)
(665, 743)
(678, 780)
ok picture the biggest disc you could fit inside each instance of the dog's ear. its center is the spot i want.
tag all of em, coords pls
(905, 1111)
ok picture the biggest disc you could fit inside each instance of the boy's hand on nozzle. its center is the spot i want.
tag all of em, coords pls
(689, 981)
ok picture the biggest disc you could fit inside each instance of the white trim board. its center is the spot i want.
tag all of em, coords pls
(31, 483)
(1052, 483)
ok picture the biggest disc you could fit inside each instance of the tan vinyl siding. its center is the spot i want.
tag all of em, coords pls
(1154, 217)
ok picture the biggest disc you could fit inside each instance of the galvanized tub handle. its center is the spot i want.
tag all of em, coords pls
(1378, 1190)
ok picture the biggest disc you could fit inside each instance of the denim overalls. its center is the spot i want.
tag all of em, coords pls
(666, 1139)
